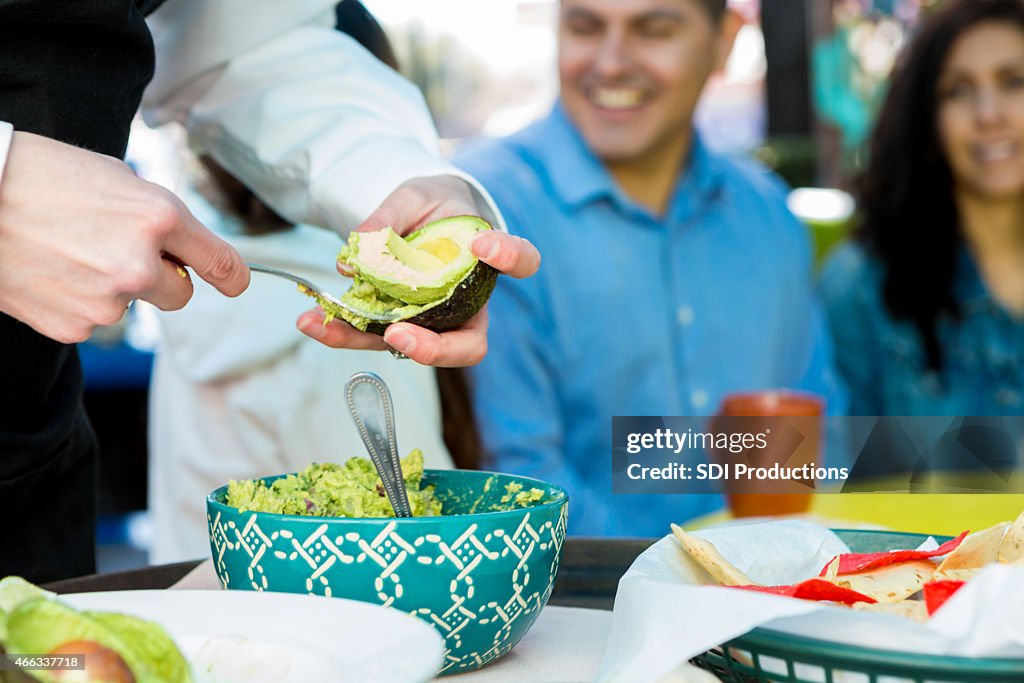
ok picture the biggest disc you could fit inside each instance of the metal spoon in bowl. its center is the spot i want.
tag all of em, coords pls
(369, 401)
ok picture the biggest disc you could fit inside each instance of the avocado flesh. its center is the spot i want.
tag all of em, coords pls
(417, 259)
(443, 248)
(400, 269)
(150, 643)
(15, 591)
(461, 292)
(42, 625)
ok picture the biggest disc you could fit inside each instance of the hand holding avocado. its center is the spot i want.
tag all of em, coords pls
(449, 270)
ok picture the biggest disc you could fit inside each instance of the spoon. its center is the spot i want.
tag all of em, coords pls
(369, 401)
(320, 295)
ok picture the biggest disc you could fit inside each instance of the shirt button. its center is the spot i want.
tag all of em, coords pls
(1008, 397)
(699, 398)
(684, 314)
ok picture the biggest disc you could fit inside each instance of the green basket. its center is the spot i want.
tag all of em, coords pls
(767, 656)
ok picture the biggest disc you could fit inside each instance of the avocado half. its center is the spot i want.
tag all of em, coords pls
(33, 622)
(429, 278)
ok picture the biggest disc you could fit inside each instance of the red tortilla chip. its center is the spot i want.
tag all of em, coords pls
(850, 563)
(937, 592)
(813, 589)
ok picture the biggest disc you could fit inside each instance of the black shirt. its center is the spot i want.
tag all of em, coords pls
(74, 71)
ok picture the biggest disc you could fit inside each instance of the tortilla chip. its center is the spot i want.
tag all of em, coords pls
(955, 574)
(890, 584)
(977, 550)
(814, 589)
(1011, 548)
(851, 563)
(937, 592)
(707, 556)
(910, 609)
(831, 570)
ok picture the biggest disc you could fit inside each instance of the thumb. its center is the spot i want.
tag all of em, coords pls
(213, 259)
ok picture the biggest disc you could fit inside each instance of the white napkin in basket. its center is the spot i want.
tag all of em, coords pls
(664, 616)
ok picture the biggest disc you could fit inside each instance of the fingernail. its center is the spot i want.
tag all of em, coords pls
(403, 341)
(493, 251)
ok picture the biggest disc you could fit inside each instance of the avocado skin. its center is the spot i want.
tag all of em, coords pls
(465, 301)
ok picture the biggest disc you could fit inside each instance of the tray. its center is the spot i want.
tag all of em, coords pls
(768, 656)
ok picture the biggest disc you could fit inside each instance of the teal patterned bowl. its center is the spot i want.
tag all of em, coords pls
(480, 577)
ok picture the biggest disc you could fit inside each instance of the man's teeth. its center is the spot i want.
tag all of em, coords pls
(996, 152)
(619, 98)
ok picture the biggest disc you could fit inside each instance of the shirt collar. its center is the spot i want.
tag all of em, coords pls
(700, 181)
(578, 176)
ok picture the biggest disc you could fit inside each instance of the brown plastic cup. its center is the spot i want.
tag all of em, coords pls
(792, 420)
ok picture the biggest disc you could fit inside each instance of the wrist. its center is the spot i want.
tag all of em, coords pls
(6, 135)
(479, 197)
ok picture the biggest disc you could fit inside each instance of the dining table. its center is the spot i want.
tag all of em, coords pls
(565, 645)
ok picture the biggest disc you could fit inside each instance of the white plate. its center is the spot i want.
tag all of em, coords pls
(249, 637)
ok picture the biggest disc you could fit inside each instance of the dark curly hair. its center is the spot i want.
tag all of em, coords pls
(910, 220)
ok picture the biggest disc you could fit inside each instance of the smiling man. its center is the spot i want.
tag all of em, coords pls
(671, 276)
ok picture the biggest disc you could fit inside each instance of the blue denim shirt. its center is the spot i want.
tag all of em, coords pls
(882, 360)
(634, 314)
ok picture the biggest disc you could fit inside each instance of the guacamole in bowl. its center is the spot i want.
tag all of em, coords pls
(479, 572)
(354, 489)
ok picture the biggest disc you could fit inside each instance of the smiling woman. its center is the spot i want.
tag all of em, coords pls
(981, 112)
(928, 304)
